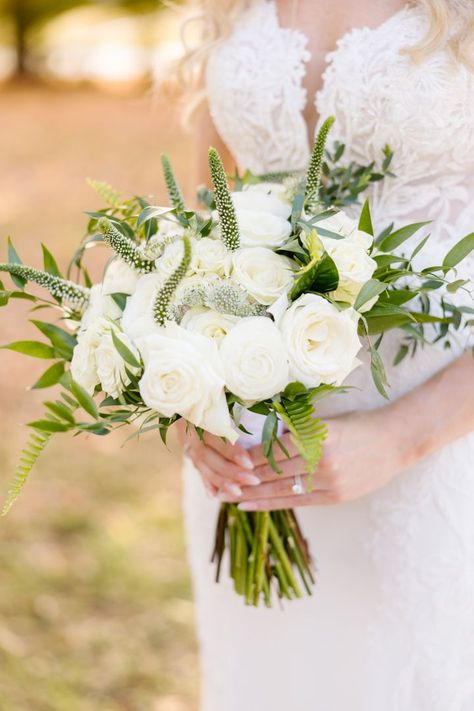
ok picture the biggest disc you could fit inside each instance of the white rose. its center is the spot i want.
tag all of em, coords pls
(173, 256)
(211, 255)
(100, 305)
(255, 359)
(343, 225)
(322, 342)
(184, 375)
(209, 323)
(83, 364)
(111, 368)
(354, 265)
(137, 319)
(265, 197)
(262, 229)
(96, 361)
(263, 274)
(119, 278)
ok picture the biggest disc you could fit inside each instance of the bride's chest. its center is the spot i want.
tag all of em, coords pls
(260, 90)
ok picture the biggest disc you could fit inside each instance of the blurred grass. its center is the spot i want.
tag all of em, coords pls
(95, 606)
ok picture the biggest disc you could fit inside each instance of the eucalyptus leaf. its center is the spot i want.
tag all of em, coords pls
(369, 291)
(400, 236)
(49, 378)
(84, 399)
(36, 349)
(459, 252)
(124, 351)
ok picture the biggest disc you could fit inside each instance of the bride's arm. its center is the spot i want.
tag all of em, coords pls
(365, 450)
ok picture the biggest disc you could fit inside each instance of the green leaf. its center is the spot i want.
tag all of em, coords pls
(401, 355)
(61, 411)
(84, 399)
(459, 252)
(14, 258)
(369, 291)
(151, 213)
(51, 377)
(62, 341)
(307, 432)
(400, 236)
(29, 457)
(365, 220)
(49, 262)
(124, 351)
(456, 285)
(31, 348)
(378, 372)
(49, 426)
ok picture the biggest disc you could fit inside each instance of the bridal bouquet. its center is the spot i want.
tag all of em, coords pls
(261, 302)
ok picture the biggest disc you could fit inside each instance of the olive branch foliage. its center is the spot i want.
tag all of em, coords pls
(127, 225)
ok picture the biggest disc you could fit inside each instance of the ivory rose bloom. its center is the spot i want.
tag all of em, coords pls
(264, 197)
(345, 226)
(262, 229)
(255, 359)
(137, 319)
(354, 265)
(209, 323)
(211, 256)
(119, 278)
(262, 273)
(100, 305)
(322, 342)
(96, 361)
(184, 375)
(172, 257)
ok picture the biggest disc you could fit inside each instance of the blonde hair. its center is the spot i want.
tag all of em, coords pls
(451, 25)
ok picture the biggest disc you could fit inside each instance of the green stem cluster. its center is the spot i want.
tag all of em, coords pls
(267, 552)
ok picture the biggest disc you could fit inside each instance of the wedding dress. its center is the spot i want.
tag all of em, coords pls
(390, 626)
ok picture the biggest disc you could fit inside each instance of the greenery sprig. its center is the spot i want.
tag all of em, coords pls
(161, 307)
(60, 289)
(125, 247)
(224, 204)
(175, 194)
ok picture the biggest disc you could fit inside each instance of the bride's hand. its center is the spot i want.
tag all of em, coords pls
(363, 451)
(225, 468)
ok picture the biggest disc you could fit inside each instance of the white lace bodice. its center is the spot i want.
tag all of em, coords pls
(425, 112)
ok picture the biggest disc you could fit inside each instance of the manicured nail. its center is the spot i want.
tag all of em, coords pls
(244, 461)
(248, 506)
(249, 479)
(233, 489)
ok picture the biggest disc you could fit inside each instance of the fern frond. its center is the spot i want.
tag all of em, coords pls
(125, 248)
(163, 299)
(308, 433)
(313, 178)
(57, 287)
(174, 191)
(29, 456)
(108, 194)
(225, 206)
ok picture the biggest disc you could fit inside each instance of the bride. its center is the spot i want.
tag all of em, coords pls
(390, 626)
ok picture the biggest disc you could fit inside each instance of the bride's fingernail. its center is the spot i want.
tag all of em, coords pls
(244, 461)
(249, 479)
(233, 490)
(248, 506)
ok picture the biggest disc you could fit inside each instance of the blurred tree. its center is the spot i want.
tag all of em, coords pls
(28, 15)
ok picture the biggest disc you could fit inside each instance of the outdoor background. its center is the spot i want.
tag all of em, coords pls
(95, 604)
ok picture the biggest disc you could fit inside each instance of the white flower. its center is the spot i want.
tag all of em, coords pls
(184, 375)
(195, 281)
(96, 361)
(83, 364)
(265, 197)
(322, 342)
(209, 323)
(255, 359)
(262, 229)
(211, 255)
(111, 368)
(343, 225)
(119, 278)
(137, 319)
(173, 256)
(355, 268)
(263, 274)
(100, 305)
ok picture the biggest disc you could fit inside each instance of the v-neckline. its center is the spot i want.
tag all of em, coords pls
(328, 56)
